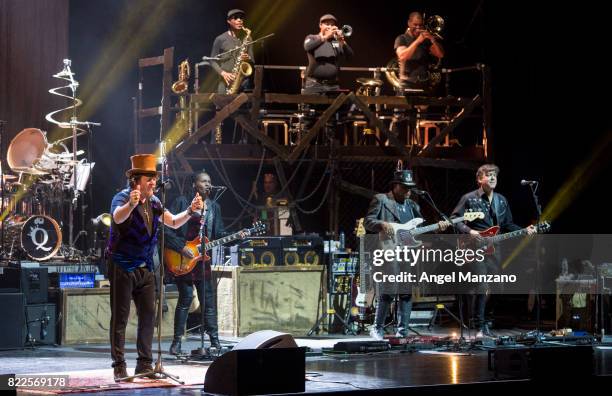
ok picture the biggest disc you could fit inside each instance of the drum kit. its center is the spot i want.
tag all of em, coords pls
(41, 190)
(34, 196)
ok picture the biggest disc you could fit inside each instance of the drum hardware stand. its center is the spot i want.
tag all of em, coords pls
(68, 75)
(2, 203)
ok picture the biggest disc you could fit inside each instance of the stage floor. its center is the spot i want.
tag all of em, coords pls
(89, 371)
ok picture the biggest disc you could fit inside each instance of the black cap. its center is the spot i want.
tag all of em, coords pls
(235, 11)
(403, 177)
(328, 17)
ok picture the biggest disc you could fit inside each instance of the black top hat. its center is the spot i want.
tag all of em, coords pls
(403, 177)
(235, 11)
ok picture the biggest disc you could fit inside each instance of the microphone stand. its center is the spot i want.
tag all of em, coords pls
(427, 198)
(159, 369)
(201, 352)
(534, 188)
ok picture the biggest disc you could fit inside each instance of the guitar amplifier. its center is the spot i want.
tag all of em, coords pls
(32, 282)
(303, 250)
(257, 252)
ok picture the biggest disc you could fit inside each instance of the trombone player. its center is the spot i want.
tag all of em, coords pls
(229, 40)
(415, 49)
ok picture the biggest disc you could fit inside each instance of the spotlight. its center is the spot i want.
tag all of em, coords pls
(103, 220)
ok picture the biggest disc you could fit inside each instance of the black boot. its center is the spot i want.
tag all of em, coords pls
(175, 347)
(214, 341)
(119, 372)
(145, 367)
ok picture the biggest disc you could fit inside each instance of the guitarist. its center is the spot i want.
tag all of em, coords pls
(393, 207)
(497, 213)
(175, 240)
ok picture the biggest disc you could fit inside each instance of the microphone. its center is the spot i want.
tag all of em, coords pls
(528, 182)
(418, 192)
(217, 188)
(165, 184)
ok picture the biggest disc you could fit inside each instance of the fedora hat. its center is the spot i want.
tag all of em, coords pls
(403, 177)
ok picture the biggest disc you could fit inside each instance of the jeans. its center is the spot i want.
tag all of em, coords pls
(207, 293)
(405, 308)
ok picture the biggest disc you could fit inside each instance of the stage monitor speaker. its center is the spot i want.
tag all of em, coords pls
(544, 362)
(13, 319)
(264, 362)
(33, 282)
(303, 250)
(257, 252)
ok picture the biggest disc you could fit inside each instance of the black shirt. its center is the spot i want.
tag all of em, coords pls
(416, 68)
(323, 57)
(223, 43)
(497, 212)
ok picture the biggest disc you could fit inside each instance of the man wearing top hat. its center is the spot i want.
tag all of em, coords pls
(393, 207)
(324, 51)
(136, 213)
(228, 40)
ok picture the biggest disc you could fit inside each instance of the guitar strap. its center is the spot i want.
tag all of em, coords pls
(495, 206)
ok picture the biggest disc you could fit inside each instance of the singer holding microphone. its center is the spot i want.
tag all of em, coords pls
(497, 213)
(136, 213)
(175, 240)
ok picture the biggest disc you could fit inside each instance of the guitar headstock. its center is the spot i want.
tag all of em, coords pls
(543, 227)
(258, 228)
(359, 228)
(471, 216)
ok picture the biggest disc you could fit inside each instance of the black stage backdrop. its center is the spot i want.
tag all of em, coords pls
(550, 82)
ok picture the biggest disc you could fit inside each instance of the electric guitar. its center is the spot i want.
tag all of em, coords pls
(406, 232)
(363, 300)
(491, 237)
(179, 264)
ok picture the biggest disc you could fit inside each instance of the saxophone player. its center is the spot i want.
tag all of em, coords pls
(231, 39)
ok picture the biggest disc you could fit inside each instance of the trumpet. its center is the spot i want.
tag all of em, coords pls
(347, 30)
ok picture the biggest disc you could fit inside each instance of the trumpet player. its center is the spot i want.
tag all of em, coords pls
(415, 49)
(231, 39)
(324, 51)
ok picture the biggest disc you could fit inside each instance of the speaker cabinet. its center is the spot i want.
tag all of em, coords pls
(258, 252)
(13, 319)
(32, 282)
(265, 362)
(303, 250)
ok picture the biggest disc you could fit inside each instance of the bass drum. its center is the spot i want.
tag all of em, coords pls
(37, 237)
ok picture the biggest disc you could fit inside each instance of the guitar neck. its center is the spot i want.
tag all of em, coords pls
(503, 237)
(434, 227)
(223, 241)
(362, 272)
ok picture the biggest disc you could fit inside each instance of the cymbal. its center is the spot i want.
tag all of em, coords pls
(26, 148)
(371, 82)
(30, 171)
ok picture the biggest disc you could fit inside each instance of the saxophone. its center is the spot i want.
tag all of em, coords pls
(181, 87)
(241, 69)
